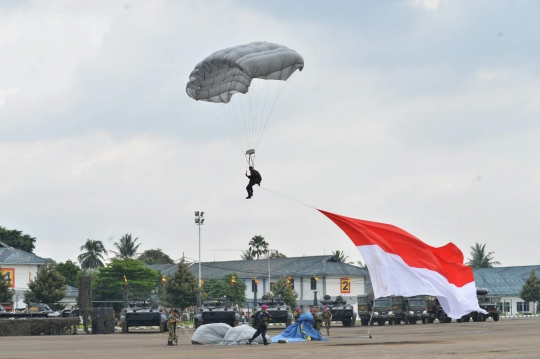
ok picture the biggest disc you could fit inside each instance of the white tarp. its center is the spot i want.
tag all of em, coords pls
(240, 335)
(210, 333)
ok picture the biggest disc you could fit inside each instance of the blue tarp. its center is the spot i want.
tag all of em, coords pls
(301, 331)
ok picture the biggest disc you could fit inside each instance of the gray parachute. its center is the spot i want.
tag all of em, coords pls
(246, 70)
(226, 72)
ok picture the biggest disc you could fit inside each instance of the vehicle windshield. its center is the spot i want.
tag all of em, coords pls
(417, 303)
(382, 303)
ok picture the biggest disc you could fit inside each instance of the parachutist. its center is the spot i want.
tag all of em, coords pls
(254, 178)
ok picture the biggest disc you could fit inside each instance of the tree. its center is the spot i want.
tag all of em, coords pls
(17, 239)
(258, 246)
(70, 271)
(277, 255)
(340, 256)
(479, 258)
(48, 287)
(6, 294)
(109, 284)
(93, 254)
(126, 247)
(531, 289)
(361, 265)
(222, 287)
(247, 255)
(182, 288)
(155, 256)
(289, 295)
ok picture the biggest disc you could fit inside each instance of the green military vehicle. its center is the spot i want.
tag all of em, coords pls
(409, 310)
(435, 311)
(365, 304)
(377, 310)
(487, 303)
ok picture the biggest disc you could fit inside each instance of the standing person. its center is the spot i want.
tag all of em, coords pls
(327, 319)
(317, 321)
(171, 326)
(254, 178)
(297, 314)
(241, 314)
(262, 320)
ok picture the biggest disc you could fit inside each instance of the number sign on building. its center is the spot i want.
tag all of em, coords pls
(345, 285)
(9, 275)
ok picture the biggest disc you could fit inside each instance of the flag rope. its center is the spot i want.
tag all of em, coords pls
(289, 198)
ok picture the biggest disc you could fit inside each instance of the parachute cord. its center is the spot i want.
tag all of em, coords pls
(370, 318)
(289, 198)
(225, 127)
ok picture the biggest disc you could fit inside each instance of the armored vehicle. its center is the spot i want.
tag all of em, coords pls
(341, 312)
(410, 310)
(365, 304)
(141, 314)
(277, 309)
(489, 304)
(217, 311)
(436, 311)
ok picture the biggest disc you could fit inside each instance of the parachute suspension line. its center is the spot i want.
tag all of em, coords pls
(272, 108)
(217, 118)
(230, 129)
(238, 120)
(226, 113)
(260, 116)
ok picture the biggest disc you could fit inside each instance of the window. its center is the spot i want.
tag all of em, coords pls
(525, 306)
(522, 306)
(313, 284)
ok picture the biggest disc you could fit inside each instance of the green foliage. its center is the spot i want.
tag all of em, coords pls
(48, 287)
(182, 288)
(222, 287)
(108, 283)
(17, 239)
(340, 256)
(70, 271)
(155, 256)
(6, 293)
(126, 247)
(279, 288)
(481, 259)
(258, 246)
(531, 289)
(277, 255)
(247, 255)
(93, 254)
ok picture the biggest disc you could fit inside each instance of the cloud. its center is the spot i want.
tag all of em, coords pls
(427, 4)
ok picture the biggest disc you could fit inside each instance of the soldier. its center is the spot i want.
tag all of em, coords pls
(327, 319)
(171, 326)
(317, 321)
(262, 320)
(297, 314)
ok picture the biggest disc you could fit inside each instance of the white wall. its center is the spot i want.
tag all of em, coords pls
(512, 303)
(22, 272)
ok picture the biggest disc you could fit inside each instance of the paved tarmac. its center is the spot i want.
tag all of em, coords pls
(508, 338)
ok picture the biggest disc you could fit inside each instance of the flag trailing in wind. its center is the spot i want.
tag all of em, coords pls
(401, 264)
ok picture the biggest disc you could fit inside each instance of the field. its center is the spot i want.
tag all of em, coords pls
(508, 338)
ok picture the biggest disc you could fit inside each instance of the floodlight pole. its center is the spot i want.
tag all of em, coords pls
(199, 220)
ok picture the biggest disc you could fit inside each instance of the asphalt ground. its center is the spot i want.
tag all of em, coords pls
(508, 338)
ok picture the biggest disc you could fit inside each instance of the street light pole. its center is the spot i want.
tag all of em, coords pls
(199, 221)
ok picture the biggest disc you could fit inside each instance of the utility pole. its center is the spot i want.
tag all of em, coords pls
(199, 221)
(268, 256)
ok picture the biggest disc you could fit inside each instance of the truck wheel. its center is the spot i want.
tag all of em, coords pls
(496, 317)
(125, 328)
(391, 321)
(466, 319)
(364, 322)
(431, 320)
(289, 322)
(442, 318)
(484, 317)
(382, 321)
(412, 321)
(346, 323)
(448, 320)
(424, 320)
(398, 321)
(353, 323)
(459, 320)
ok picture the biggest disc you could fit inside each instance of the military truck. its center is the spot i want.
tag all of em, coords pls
(277, 309)
(143, 314)
(217, 311)
(341, 312)
(436, 311)
(378, 311)
(489, 304)
(34, 310)
(409, 310)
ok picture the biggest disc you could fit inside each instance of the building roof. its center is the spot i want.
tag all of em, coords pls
(279, 267)
(10, 255)
(503, 281)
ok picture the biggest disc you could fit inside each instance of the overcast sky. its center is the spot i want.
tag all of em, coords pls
(423, 114)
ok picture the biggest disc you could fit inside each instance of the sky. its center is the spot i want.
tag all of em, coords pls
(419, 113)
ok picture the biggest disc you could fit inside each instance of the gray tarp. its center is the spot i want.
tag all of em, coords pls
(240, 335)
(210, 333)
(230, 71)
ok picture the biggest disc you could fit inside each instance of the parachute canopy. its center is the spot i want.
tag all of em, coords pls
(231, 70)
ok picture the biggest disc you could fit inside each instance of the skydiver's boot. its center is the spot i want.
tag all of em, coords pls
(249, 341)
(248, 197)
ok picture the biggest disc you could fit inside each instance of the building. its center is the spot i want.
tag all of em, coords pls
(19, 267)
(506, 282)
(310, 276)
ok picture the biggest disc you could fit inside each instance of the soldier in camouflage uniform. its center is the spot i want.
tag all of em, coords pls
(171, 326)
(297, 314)
(327, 319)
(317, 321)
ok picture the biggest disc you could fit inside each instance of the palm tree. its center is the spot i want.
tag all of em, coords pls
(93, 254)
(277, 255)
(481, 259)
(247, 255)
(340, 256)
(258, 246)
(126, 247)
(361, 265)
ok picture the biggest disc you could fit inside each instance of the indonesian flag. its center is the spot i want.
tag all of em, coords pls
(401, 264)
